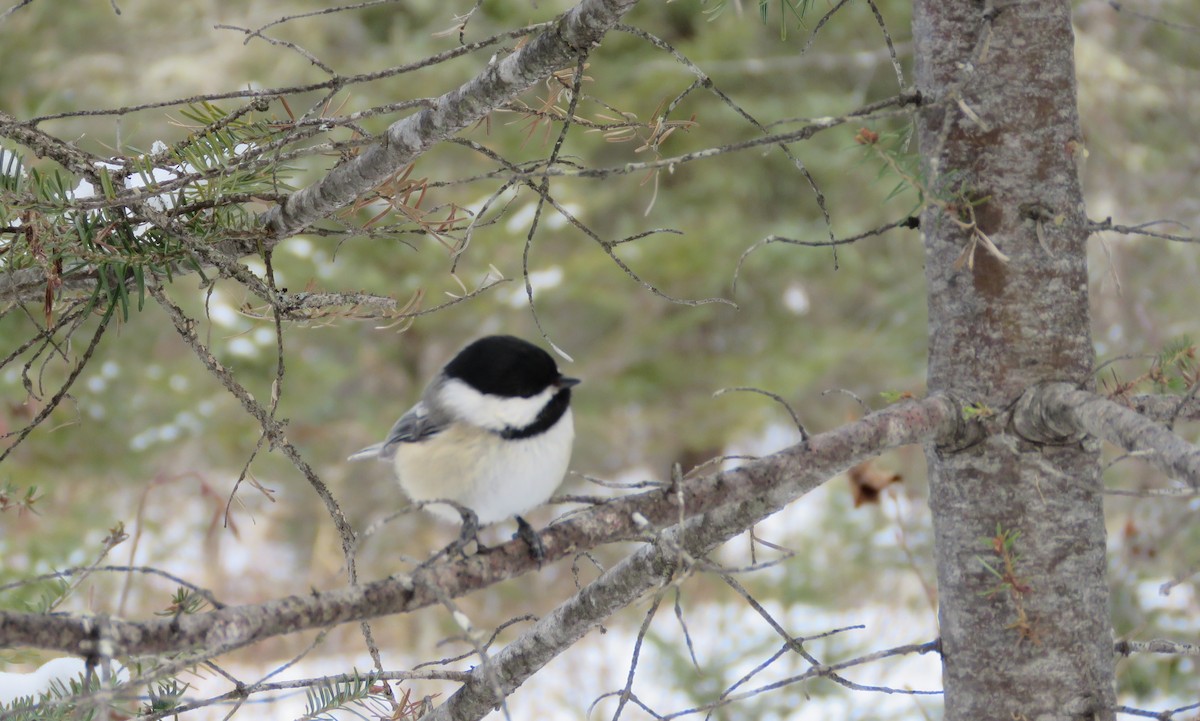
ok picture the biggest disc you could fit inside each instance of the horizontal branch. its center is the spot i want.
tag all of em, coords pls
(47, 146)
(902, 109)
(1059, 412)
(1157, 645)
(576, 33)
(766, 485)
(1107, 225)
(1167, 408)
(722, 503)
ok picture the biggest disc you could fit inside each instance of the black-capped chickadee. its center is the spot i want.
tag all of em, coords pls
(492, 432)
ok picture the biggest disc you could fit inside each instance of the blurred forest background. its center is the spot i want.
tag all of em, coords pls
(148, 439)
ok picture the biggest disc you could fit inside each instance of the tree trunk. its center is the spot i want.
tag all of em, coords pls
(1019, 526)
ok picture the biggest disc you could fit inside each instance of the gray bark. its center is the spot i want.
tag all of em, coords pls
(1167, 409)
(1058, 412)
(1000, 124)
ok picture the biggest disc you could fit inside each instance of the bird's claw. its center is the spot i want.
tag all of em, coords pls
(531, 538)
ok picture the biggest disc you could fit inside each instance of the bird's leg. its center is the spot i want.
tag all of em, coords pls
(469, 532)
(531, 538)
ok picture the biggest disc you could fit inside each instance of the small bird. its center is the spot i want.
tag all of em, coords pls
(492, 432)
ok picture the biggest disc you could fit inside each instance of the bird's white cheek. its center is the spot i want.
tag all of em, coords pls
(493, 412)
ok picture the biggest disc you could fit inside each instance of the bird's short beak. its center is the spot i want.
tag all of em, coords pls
(565, 382)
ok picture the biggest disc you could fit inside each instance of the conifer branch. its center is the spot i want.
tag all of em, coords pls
(575, 34)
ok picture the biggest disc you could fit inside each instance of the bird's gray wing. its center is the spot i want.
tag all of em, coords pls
(419, 423)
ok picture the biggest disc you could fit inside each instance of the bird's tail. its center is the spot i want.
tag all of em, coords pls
(366, 454)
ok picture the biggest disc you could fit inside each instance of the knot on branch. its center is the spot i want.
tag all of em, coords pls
(968, 429)
(1039, 416)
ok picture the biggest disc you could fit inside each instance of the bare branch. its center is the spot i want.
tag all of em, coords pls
(272, 428)
(909, 222)
(207, 594)
(47, 146)
(58, 397)
(823, 671)
(1154, 492)
(1160, 715)
(1120, 7)
(1167, 408)
(1059, 413)
(1141, 229)
(331, 84)
(774, 396)
(1158, 645)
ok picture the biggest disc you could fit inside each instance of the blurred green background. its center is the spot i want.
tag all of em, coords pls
(150, 440)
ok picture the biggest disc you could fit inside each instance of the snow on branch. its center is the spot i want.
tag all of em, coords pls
(705, 511)
(575, 34)
(1059, 412)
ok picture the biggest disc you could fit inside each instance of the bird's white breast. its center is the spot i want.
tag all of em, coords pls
(494, 477)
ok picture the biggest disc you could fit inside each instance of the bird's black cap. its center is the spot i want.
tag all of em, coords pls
(502, 365)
